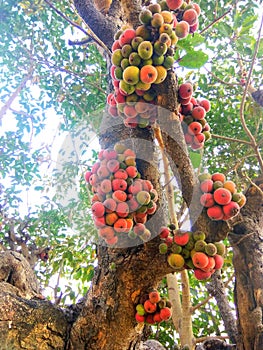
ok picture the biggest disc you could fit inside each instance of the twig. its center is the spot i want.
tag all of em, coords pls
(231, 139)
(16, 93)
(52, 66)
(197, 306)
(87, 32)
(253, 184)
(216, 20)
(82, 42)
(29, 116)
(220, 80)
(242, 117)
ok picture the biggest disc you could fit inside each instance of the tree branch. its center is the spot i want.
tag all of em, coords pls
(220, 80)
(216, 20)
(242, 117)
(231, 139)
(187, 336)
(217, 289)
(16, 93)
(174, 297)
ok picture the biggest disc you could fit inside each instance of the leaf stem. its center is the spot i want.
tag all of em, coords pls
(231, 139)
(216, 20)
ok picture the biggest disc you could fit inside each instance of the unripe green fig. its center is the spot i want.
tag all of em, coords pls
(164, 6)
(126, 50)
(132, 235)
(164, 38)
(143, 32)
(218, 184)
(198, 235)
(157, 20)
(118, 73)
(135, 42)
(125, 63)
(145, 50)
(163, 248)
(190, 245)
(204, 176)
(185, 253)
(207, 135)
(168, 62)
(221, 249)
(175, 248)
(146, 62)
(116, 57)
(155, 8)
(145, 16)
(134, 59)
(140, 309)
(131, 75)
(127, 88)
(200, 246)
(149, 95)
(118, 34)
(210, 249)
(160, 48)
(158, 60)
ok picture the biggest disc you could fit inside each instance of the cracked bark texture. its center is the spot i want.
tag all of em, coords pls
(247, 242)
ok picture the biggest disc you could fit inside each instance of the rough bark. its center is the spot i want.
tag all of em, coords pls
(107, 319)
(217, 289)
(247, 243)
(26, 320)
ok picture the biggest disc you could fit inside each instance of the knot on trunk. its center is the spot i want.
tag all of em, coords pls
(17, 276)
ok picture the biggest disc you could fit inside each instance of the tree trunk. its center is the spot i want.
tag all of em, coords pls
(26, 320)
(247, 243)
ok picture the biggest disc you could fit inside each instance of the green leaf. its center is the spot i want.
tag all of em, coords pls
(194, 59)
(195, 159)
(191, 41)
(39, 188)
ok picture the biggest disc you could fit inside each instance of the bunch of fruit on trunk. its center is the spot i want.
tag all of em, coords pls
(220, 196)
(122, 201)
(152, 308)
(192, 115)
(141, 58)
(189, 250)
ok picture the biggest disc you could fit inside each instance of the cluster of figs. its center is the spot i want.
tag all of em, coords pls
(192, 115)
(220, 196)
(151, 308)
(189, 250)
(141, 58)
(122, 202)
